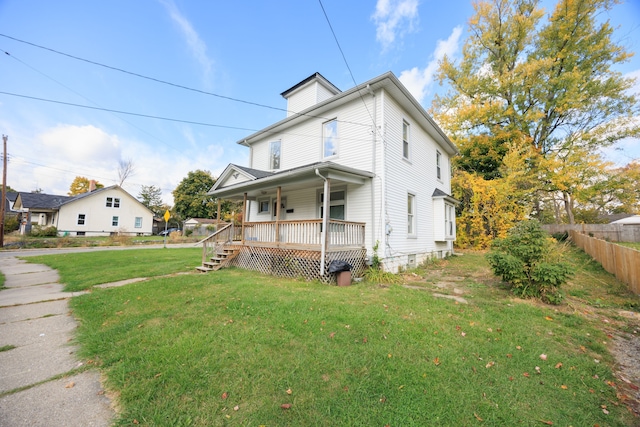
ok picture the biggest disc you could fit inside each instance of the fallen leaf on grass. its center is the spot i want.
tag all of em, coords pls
(549, 423)
(136, 421)
(558, 365)
(543, 356)
(332, 334)
(225, 395)
(477, 417)
(289, 391)
(548, 318)
(235, 408)
(490, 364)
(564, 387)
(518, 347)
(436, 361)
(538, 370)
(526, 374)
(286, 406)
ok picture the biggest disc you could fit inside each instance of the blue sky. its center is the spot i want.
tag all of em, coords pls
(246, 50)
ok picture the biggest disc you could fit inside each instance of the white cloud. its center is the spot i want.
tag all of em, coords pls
(418, 81)
(196, 45)
(81, 144)
(393, 19)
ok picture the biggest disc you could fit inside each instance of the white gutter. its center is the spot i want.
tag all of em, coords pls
(325, 222)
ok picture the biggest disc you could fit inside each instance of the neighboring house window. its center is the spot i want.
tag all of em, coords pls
(263, 206)
(438, 164)
(274, 155)
(113, 202)
(138, 222)
(114, 221)
(449, 216)
(411, 214)
(81, 219)
(330, 138)
(405, 140)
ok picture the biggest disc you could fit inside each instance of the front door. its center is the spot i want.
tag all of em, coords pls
(283, 209)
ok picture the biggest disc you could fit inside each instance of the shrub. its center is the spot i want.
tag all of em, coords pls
(39, 231)
(188, 232)
(530, 261)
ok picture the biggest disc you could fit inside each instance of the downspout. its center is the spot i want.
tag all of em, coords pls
(325, 223)
(373, 167)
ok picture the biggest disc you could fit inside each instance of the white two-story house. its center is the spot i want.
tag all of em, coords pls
(345, 176)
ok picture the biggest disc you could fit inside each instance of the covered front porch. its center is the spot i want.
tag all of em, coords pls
(289, 247)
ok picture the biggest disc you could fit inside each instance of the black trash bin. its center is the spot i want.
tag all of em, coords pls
(342, 269)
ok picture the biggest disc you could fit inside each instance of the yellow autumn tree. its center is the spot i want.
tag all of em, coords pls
(81, 185)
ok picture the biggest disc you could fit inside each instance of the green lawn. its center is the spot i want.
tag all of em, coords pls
(232, 347)
(79, 271)
(630, 245)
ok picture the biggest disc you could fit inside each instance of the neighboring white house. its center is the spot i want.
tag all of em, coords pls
(100, 212)
(370, 159)
(103, 212)
(629, 220)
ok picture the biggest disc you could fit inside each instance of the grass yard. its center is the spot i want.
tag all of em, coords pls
(80, 271)
(238, 348)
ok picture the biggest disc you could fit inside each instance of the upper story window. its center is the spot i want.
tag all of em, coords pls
(330, 138)
(274, 155)
(411, 214)
(405, 139)
(438, 165)
(113, 202)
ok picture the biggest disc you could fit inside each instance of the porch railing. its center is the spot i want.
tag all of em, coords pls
(213, 243)
(305, 232)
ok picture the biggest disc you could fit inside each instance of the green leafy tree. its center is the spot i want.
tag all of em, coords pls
(529, 260)
(190, 196)
(550, 85)
(151, 197)
(81, 185)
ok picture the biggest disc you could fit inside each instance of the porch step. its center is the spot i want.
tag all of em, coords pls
(219, 261)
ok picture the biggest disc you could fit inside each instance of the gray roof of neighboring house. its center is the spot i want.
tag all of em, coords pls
(42, 201)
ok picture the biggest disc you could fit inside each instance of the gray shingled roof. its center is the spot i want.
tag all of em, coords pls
(42, 201)
(257, 173)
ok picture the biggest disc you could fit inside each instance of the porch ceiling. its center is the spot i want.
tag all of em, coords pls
(294, 179)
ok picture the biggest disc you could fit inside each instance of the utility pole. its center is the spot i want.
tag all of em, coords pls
(4, 190)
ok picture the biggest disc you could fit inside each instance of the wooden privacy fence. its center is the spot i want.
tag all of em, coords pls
(619, 260)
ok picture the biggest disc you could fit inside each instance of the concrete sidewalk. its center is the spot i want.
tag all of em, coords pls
(35, 319)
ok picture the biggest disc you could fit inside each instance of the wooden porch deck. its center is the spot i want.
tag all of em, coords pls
(286, 248)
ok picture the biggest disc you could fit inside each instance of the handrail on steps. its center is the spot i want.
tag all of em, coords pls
(213, 238)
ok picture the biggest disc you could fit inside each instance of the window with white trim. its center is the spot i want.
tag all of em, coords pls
(138, 223)
(411, 214)
(113, 202)
(449, 220)
(336, 204)
(263, 206)
(405, 139)
(274, 155)
(114, 221)
(330, 138)
(438, 164)
(82, 219)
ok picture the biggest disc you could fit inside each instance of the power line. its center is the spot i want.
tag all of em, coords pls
(91, 101)
(160, 117)
(142, 76)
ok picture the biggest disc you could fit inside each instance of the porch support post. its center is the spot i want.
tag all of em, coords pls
(277, 212)
(244, 214)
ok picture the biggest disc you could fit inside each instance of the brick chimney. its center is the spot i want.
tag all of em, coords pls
(92, 185)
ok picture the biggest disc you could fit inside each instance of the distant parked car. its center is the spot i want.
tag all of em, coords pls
(168, 231)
